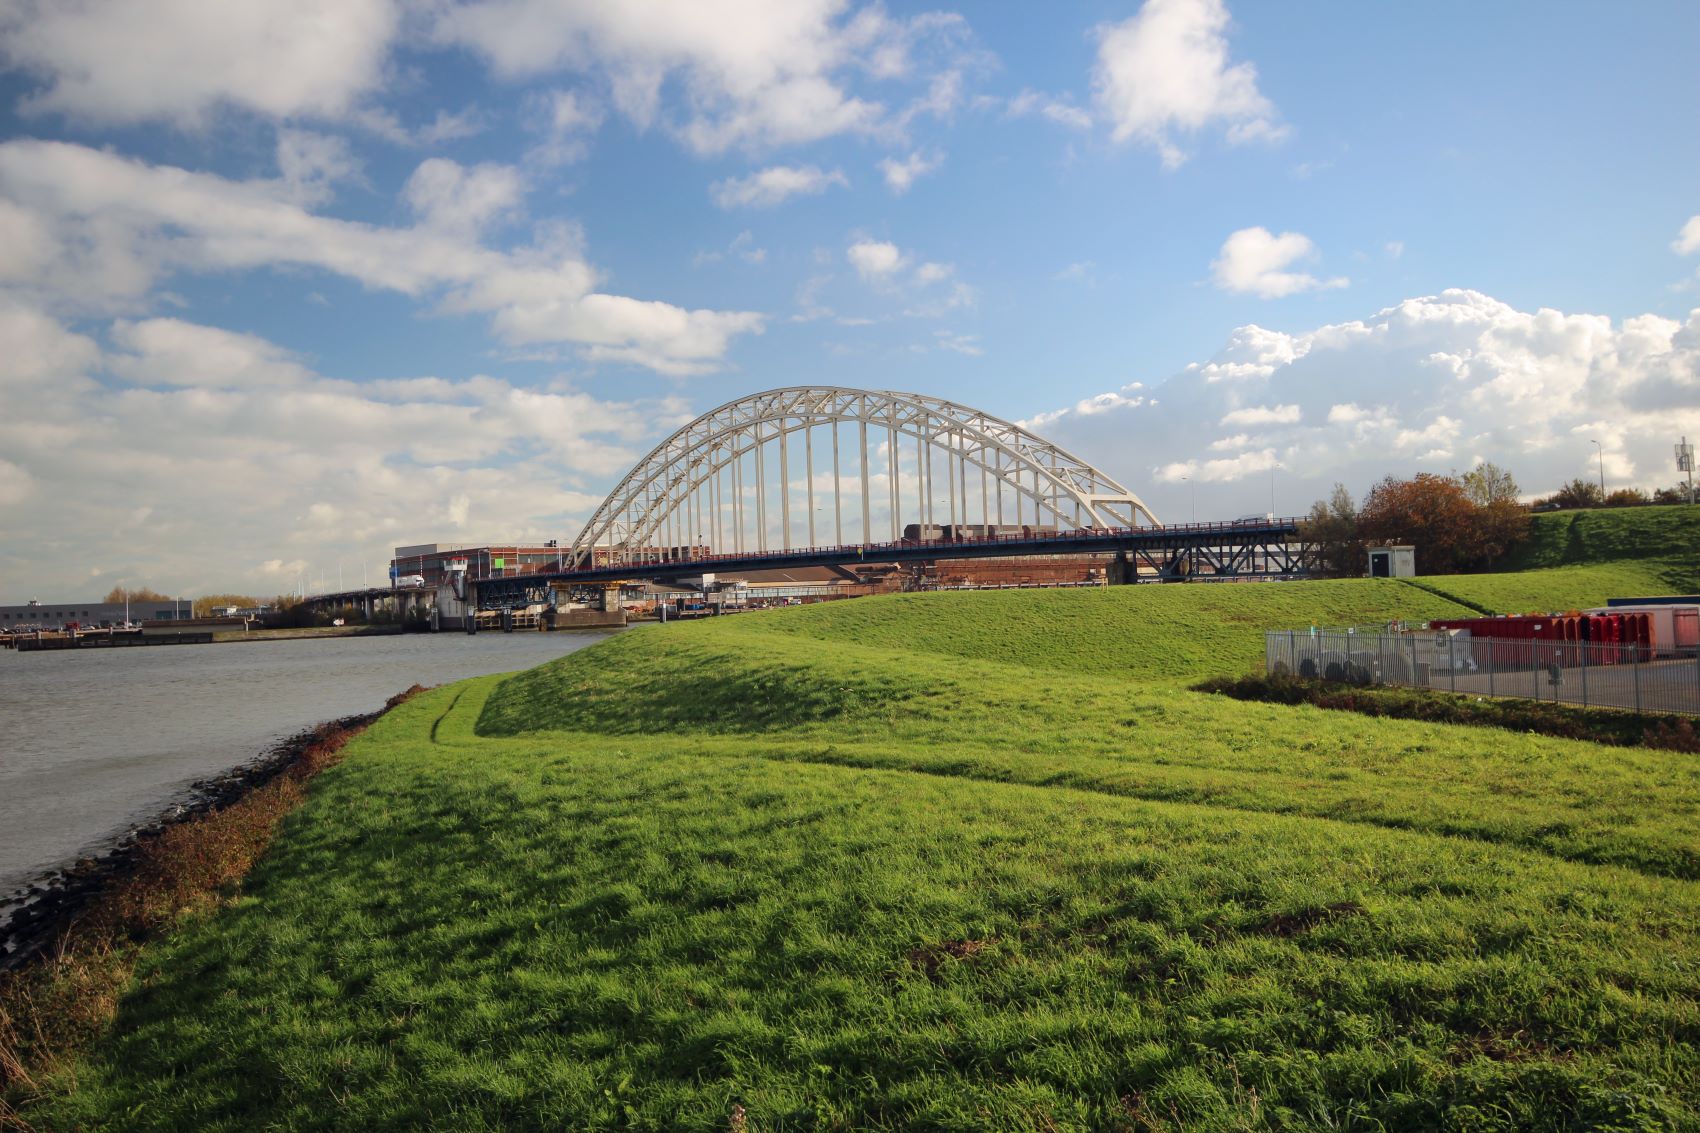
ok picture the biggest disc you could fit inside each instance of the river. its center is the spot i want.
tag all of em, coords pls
(96, 741)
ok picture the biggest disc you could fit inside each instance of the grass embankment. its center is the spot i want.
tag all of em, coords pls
(1576, 559)
(853, 867)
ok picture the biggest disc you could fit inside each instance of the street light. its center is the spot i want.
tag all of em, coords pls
(1602, 449)
(1193, 488)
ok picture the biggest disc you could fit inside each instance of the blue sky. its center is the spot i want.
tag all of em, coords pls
(287, 284)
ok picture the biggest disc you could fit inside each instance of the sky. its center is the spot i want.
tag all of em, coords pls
(287, 283)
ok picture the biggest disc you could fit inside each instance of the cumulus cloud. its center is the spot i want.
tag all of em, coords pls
(1164, 74)
(106, 229)
(241, 460)
(1688, 240)
(901, 173)
(774, 185)
(752, 73)
(450, 197)
(180, 60)
(171, 352)
(876, 260)
(1254, 261)
(1430, 384)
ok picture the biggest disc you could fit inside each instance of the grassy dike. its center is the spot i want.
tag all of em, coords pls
(956, 861)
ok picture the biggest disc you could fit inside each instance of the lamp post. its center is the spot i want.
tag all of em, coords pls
(1602, 454)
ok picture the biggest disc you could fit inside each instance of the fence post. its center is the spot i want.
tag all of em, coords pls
(1583, 647)
(1452, 659)
(1414, 664)
(1635, 665)
(1493, 663)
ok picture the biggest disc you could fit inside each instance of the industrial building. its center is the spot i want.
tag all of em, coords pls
(36, 615)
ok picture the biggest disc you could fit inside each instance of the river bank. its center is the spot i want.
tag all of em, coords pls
(99, 742)
(43, 912)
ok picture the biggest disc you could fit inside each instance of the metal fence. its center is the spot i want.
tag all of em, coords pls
(1630, 675)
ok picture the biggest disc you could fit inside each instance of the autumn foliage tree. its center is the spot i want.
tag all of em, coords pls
(135, 594)
(1451, 531)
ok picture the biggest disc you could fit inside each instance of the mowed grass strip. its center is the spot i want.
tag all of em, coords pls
(581, 932)
(742, 686)
(1151, 632)
(1553, 590)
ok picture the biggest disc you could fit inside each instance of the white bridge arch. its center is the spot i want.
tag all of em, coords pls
(709, 485)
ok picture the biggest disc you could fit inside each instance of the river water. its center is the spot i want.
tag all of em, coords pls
(96, 741)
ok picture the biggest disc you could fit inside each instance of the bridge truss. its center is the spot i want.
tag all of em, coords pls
(733, 481)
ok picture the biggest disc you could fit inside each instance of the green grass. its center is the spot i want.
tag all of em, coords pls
(1577, 559)
(957, 861)
(1553, 590)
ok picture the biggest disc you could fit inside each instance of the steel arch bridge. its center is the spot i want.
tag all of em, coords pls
(733, 480)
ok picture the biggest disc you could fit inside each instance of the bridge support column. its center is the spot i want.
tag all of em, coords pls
(1120, 571)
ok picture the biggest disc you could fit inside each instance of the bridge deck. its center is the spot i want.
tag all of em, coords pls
(1144, 541)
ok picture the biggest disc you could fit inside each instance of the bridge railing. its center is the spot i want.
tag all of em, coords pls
(870, 551)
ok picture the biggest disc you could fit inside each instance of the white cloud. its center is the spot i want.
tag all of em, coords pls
(108, 229)
(452, 198)
(1688, 240)
(753, 73)
(243, 463)
(566, 119)
(171, 352)
(1031, 103)
(901, 173)
(1253, 260)
(1164, 73)
(876, 260)
(968, 344)
(180, 60)
(774, 185)
(1394, 249)
(1262, 415)
(311, 164)
(1429, 384)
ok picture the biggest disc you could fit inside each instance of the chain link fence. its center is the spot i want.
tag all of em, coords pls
(1630, 675)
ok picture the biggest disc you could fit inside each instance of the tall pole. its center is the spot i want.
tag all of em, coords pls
(809, 476)
(891, 467)
(761, 493)
(784, 488)
(1685, 463)
(738, 504)
(1602, 449)
(867, 527)
(837, 492)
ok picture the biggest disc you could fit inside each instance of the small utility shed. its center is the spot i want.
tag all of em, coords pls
(1399, 561)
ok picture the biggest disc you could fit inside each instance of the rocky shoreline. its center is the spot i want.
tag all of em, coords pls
(36, 915)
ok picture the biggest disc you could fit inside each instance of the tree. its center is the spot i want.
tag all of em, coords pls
(1428, 511)
(1487, 484)
(1676, 494)
(1628, 497)
(1578, 493)
(204, 606)
(1332, 527)
(136, 594)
